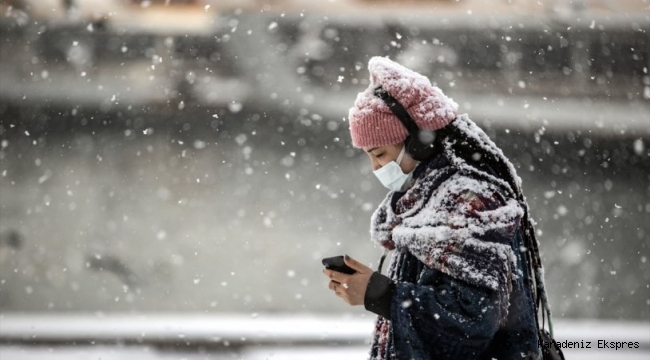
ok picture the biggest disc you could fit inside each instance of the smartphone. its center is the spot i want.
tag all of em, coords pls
(336, 263)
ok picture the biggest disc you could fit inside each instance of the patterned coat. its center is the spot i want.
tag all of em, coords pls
(457, 282)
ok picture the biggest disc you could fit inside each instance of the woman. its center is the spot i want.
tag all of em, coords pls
(465, 269)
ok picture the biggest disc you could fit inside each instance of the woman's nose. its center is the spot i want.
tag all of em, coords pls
(376, 165)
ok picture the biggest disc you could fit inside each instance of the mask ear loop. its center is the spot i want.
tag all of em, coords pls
(401, 155)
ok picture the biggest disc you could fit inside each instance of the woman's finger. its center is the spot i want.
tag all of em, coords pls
(339, 289)
(356, 265)
(335, 286)
(336, 276)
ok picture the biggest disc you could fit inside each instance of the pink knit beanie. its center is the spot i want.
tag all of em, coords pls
(373, 124)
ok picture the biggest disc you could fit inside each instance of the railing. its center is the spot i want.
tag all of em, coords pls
(237, 333)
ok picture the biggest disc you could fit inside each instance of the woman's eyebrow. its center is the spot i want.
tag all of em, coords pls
(371, 150)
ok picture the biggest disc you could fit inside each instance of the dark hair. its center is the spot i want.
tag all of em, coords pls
(469, 149)
(483, 161)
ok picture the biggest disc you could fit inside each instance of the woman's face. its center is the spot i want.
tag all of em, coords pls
(380, 156)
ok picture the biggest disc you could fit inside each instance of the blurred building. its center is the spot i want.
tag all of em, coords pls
(154, 149)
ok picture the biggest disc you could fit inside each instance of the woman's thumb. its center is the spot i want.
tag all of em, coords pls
(352, 263)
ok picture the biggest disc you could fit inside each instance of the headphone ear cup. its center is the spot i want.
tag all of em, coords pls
(419, 151)
(413, 148)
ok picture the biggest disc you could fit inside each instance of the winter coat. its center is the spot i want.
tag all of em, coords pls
(457, 284)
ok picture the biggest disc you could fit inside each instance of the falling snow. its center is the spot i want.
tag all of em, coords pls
(194, 157)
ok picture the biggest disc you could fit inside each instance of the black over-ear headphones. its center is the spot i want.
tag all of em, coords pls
(419, 143)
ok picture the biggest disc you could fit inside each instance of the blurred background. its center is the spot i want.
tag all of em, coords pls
(173, 171)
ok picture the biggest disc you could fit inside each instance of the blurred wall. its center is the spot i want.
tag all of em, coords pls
(146, 170)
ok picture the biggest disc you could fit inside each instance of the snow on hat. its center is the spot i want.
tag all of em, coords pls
(373, 124)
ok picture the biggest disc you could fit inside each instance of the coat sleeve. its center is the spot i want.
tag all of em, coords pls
(443, 317)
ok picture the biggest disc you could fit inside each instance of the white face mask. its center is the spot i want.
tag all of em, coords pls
(391, 175)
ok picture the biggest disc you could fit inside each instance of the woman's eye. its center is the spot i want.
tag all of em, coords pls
(380, 155)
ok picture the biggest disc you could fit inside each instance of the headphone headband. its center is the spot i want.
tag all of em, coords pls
(399, 111)
(418, 149)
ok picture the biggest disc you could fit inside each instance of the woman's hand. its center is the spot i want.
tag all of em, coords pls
(351, 288)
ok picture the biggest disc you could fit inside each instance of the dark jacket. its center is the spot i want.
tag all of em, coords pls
(457, 283)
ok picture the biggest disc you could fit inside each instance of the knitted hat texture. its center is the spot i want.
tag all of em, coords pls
(372, 124)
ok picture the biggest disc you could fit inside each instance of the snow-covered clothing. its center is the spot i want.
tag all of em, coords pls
(458, 284)
(465, 274)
